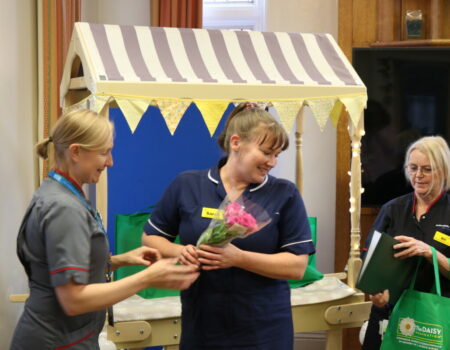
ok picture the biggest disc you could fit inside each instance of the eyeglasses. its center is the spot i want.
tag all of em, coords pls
(414, 169)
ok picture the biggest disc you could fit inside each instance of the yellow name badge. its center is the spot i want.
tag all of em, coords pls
(211, 213)
(442, 238)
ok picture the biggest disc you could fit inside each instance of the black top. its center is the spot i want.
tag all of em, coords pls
(397, 217)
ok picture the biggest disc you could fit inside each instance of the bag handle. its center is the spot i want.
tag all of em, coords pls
(413, 279)
(437, 281)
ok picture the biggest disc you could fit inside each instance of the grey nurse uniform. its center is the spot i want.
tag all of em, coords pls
(59, 240)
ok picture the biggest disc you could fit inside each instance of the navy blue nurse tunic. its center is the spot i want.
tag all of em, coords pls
(63, 242)
(397, 217)
(233, 308)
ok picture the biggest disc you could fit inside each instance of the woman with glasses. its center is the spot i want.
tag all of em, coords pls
(418, 220)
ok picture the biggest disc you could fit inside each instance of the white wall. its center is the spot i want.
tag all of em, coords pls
(136, 12)
(318, 16)
(18, 104)
(319, 190)
(319, 149)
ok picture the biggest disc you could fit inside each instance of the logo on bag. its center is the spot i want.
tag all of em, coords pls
(420, 334)
(407, 326)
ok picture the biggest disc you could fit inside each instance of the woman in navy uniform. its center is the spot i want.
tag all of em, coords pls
(64, 249)
(241, 299)
(418, 220)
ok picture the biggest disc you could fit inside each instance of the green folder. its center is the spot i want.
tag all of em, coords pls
(380, 270)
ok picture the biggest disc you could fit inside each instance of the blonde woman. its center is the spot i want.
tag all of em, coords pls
(415, 220)
(241, 299)
(63, 245)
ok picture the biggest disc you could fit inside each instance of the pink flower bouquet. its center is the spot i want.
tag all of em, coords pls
(234, 219)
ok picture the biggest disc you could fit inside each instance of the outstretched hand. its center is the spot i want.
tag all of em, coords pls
(167, 274)
(141, 256)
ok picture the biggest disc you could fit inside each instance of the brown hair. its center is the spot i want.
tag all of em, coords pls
(253, 123)
(82, 126)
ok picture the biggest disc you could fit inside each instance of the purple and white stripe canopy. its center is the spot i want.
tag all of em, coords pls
(209, 64)
(135, 66)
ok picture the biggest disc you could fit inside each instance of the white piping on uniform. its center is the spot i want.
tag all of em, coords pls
(261, 184)
(211, 178)
(251, 190)
(159, 230)
(286, 245)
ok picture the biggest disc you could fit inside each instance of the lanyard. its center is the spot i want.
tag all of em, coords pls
(70, 186)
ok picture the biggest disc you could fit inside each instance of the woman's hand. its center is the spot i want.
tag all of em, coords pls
(139, 256)
(213, 258)
(188, 255)
(411, 247)
(76, 298)
(380, 299)
(167, 274)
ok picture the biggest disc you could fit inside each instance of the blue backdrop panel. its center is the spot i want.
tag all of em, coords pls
(146, 162)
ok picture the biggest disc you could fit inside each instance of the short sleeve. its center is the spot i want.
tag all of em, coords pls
(381, 224)
(295, 232)
(165, 219)
(68, 243)
(383, 219)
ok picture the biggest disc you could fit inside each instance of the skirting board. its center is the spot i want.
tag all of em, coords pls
(310, 341)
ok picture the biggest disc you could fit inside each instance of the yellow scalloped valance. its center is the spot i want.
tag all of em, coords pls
(172, 110)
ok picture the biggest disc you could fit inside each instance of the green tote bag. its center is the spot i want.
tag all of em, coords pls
(419, 320)
(129, 228)
(311, 273)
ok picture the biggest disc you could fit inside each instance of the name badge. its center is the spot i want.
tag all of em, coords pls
(211, 213)
(442, 238)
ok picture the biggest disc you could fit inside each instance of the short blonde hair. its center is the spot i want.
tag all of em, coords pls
(437, 151)
(253, 123)
(82, 126)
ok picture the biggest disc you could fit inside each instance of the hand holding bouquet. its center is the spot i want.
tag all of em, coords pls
(234, 219)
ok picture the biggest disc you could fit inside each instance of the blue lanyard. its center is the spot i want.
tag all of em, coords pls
(70, 186)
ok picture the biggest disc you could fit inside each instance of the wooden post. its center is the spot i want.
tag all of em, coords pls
(101, 188)
(354, 263)
(298, 151)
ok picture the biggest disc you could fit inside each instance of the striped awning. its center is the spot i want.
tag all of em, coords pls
(173, 67)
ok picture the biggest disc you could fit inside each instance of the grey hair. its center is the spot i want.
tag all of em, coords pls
(437, 151)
